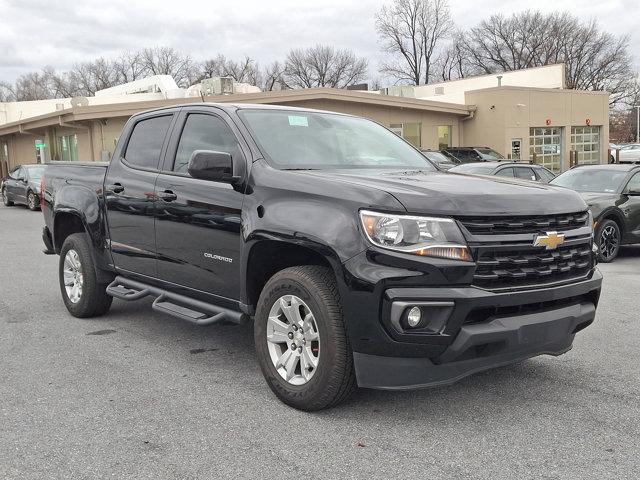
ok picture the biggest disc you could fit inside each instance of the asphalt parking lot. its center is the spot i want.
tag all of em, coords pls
(136, 394)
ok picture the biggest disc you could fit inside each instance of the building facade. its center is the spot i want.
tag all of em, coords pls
(525, 115)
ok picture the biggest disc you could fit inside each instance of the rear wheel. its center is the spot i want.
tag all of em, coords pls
(5, 198)
(608, 240)
(82, 294)
(32, 201)
(300, 338)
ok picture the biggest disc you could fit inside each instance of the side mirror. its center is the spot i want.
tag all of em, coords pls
(210, 165)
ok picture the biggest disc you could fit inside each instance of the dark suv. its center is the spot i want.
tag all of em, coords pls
(472, 154)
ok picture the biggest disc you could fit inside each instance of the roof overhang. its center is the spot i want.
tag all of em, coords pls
(126, 109)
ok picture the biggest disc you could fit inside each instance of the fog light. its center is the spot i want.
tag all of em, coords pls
(414, 317)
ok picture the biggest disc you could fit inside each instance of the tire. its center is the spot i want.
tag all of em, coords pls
(608, 238)
(332, 379)
(32, 201)
(76, 259)
(5, 198)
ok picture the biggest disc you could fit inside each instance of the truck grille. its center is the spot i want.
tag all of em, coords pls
(520, 267)
(529, 224)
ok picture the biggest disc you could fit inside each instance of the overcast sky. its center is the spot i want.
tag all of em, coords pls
(36, 33)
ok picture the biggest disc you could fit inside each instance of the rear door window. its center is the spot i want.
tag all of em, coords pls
(145, 143)
(526, 173)
(505, 172)
(544, 175)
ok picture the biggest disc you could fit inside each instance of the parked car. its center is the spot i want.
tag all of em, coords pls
(613, 148)
(439, 159)
(524, 171)
(472, 154)
(629, 153)
(22, 185)
(612, 192)
(360, 262)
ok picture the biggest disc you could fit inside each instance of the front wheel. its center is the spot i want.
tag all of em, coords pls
(5, 198)
(32, 201)
(608, 240)
(81, 292)
(300, 339)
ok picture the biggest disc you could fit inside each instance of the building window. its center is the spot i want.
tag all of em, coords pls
(68, 148)
(411, 132)
(546, 144)
(444, 136)
(586, 141)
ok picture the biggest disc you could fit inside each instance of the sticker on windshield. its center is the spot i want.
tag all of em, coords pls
(298, 121)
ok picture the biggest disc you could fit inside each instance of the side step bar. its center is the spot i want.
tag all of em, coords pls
(185, 308)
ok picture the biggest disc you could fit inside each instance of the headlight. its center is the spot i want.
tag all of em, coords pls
(424, 236)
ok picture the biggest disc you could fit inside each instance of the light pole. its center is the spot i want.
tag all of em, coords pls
(637, 107)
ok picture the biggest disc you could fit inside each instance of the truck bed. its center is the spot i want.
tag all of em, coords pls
(85, 176)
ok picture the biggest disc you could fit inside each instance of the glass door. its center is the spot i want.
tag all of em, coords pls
(546, 144)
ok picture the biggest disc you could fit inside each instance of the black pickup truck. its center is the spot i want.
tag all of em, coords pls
(358, 261)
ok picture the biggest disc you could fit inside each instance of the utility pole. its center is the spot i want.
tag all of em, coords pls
(637, 107)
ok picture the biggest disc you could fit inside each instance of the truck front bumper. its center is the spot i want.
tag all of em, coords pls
(546, 327)
(479, 347)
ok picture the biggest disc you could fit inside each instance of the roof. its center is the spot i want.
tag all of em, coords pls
(127, 109)
(624, 167)
(538, 89)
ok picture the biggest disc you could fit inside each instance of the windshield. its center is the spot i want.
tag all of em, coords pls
(35, 173)
(489, 154)
(437, 157)
(591, 180)
(473, 168)
(313, 140)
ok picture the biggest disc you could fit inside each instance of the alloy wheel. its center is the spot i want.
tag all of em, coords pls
(609, 242)
(73, 277)
(31, 200)
(293, 339)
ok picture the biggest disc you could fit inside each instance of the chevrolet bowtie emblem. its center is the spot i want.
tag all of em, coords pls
(551, 240)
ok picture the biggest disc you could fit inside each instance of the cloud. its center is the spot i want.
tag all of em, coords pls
(37, 33)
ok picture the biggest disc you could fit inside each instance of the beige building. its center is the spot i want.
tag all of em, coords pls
(90, 133)
(545, 123)
(542, 125)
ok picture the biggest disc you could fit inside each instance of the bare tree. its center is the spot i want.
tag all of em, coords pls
(89, 77)
(129, 67)
(273, 77)
(33, 86)
(245, 71)
(168, 61)
(411, 31)
(594, 59)
(7, 92)
(323, 66)
(453, 61)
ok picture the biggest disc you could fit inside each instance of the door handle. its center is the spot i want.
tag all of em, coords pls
(115, 188)
(167, 196)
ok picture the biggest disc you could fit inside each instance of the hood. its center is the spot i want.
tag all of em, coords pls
(597, 197)
(597, 202)
(35, 185)
(457, 194)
